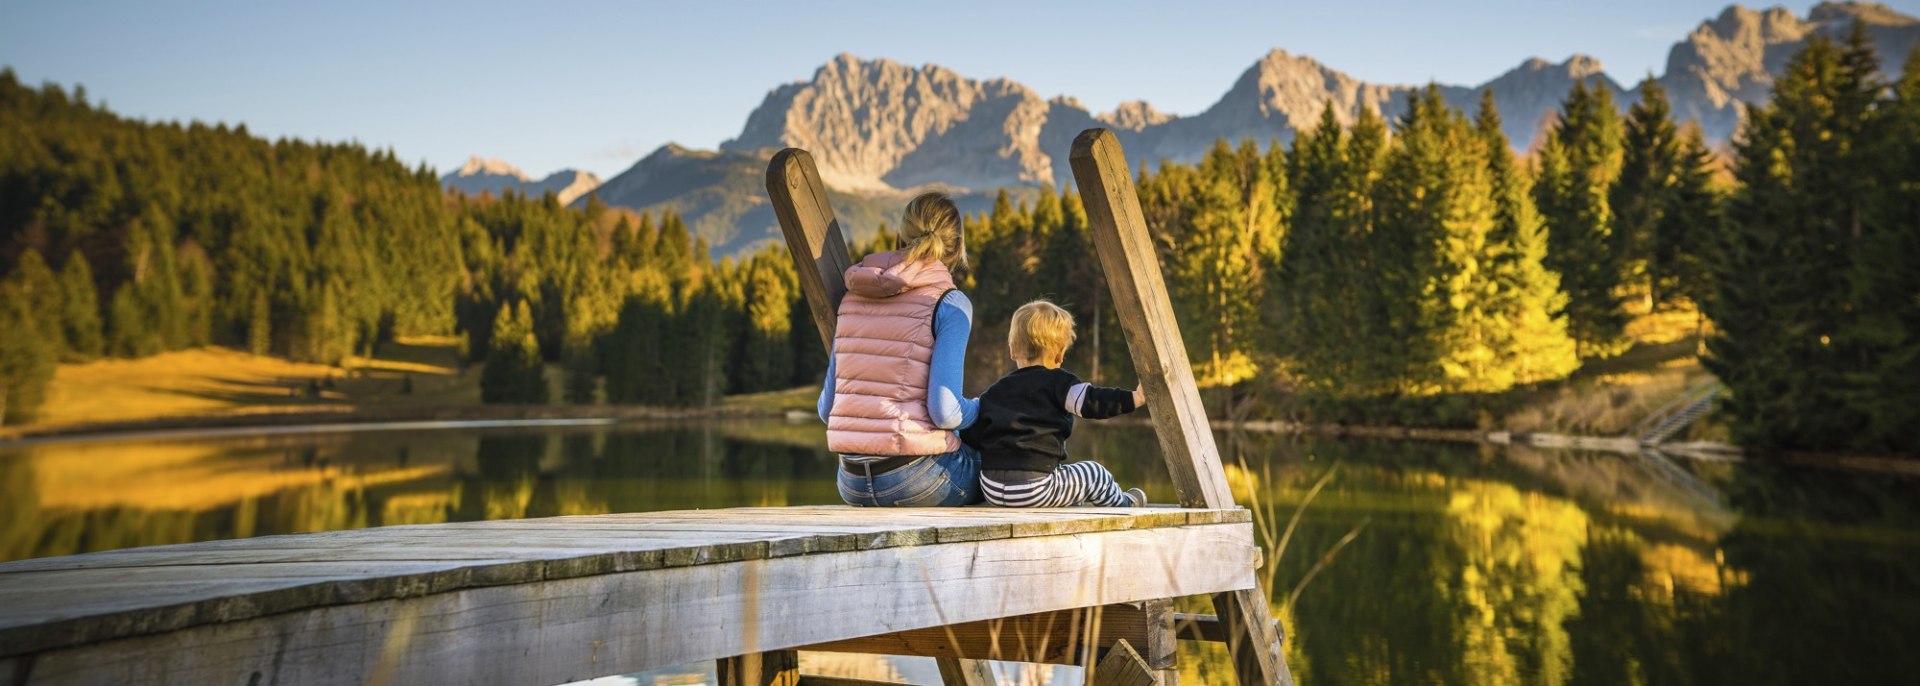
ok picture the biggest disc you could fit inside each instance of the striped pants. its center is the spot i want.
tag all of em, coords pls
(1079, 483)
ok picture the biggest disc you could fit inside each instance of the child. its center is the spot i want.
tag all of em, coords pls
(1026, 417)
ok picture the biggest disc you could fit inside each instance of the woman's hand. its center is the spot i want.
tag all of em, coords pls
(1139, 396)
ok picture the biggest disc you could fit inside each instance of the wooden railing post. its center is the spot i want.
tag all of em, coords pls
(813, 235)
(1140, 299)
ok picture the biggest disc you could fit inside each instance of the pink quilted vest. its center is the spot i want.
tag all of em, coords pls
(882, 357)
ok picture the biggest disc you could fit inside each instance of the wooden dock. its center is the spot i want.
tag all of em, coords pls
(546, 601)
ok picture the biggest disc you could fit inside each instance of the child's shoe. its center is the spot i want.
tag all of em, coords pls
(1138, 497)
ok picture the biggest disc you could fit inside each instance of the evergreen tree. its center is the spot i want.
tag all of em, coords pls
(80, 309)
(1217, 270)
(26, 356)
(1678, 265)
(40, 294)
(1531, 339)
(1578, 166)
(1885, 283)
(1645, 192)
(1781, 277)
(515, 372)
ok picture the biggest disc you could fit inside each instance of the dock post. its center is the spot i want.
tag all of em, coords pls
(813, 236)
(777, 668)
(1140, 298)
(820, 257)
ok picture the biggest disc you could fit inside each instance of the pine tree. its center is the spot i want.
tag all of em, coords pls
(80, 309)
(26, 356)
(515, 372)
(1678, 262)
(1781, 277)
(40, 294)
(1331, 308)
(1531, 341)
(1578, 166)
(1217, 267)
(1644, 194)
(1886, 285)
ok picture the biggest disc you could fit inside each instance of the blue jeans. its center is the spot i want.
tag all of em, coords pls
(944, 480)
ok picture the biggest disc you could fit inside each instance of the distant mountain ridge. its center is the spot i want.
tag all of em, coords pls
(879, 129)
(491, 175)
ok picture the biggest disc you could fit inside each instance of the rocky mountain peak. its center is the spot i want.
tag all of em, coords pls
(491, 166)
(1135, 115)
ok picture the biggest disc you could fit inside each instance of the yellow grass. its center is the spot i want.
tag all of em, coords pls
(215, 381)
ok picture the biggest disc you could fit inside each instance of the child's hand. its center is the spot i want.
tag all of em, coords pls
(1139, 396)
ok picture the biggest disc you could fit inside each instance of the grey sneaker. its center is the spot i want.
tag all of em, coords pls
(1138, 497)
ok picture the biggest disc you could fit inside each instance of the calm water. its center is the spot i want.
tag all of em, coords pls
(1470, 565)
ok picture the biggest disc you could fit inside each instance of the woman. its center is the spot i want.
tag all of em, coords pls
(892, 400)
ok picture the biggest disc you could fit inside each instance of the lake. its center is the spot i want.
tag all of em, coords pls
(1462, 564)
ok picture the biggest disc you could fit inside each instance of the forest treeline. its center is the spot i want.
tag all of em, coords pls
(1411, 271)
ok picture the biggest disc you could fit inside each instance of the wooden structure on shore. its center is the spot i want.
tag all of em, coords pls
(547, 601)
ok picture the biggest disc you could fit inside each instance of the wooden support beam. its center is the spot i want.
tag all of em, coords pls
(777, 668)
(1046, 637)
(1145, 310)
(1122, 667)
(806, 680)
(813, 235)
(959, 671)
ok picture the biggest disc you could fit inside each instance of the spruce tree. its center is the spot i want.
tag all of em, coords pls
(40, 294)
(1644, 194)
(515, 372)
(26, 357)
(80, 309)
(1794, 226)
(1885, 283)
(1532, 341)
(1678, 262)
(1578, 165)
(1217, 266)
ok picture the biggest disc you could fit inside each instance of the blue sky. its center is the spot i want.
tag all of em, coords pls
(597, 85)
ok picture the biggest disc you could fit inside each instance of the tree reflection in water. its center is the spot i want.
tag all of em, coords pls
(1479, 564)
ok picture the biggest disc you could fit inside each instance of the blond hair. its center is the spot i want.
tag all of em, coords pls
(930, 229)
(1040, 331)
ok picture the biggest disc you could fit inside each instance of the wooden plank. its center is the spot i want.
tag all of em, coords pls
(776, 668)
(1046, 637)
(1122, 667)
(165, 588)
(585, 627)
(813, 235)
(956, 671)
(1140, 299)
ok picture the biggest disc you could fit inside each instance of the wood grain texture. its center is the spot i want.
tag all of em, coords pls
(567, 629)
(813, 235)
(1145, 311)
(1123, 667)
(55, 602)
(1046, 637)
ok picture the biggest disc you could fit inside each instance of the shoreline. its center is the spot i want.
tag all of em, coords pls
(344, 418)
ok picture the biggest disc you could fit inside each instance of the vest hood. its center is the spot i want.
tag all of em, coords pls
(887, 274)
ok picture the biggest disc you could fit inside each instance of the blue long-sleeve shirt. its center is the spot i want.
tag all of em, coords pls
(949, 408)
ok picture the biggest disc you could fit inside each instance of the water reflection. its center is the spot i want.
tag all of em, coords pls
(1475, 565)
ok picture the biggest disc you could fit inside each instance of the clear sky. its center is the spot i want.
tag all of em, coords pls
(597, 85)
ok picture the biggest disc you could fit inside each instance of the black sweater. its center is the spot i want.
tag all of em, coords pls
(1026, 417)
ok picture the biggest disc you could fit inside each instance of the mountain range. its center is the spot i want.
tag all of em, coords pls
(881, 130)
(491, 175)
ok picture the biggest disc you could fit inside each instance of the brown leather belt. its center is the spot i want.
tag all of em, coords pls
(877, 467)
